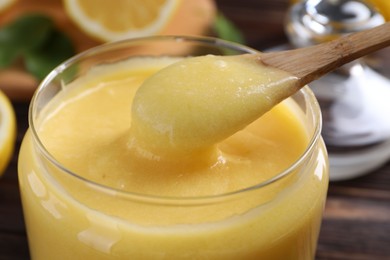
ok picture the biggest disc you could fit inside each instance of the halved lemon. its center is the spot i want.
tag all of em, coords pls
(121, 19)
(7, 131)
(6, 3)
(383, 6)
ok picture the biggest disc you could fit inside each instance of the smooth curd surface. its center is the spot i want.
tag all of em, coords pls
(205, 100)
(95, 138)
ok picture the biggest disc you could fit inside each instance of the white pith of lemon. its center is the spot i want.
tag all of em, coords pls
(121, 19)
(6, 3)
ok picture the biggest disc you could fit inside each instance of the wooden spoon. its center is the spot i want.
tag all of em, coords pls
(310, 63)
(200, 101)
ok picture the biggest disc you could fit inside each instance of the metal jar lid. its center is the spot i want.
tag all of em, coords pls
(316, 21)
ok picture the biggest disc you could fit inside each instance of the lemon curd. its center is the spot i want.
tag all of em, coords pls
(97, 183)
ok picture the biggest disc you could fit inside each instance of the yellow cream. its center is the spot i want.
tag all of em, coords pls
(96, 133)
(201, 101)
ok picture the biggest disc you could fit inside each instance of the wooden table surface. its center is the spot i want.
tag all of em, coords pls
(356, 223)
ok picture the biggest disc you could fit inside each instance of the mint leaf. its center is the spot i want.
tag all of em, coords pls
(8, 55)
(56, 49)
(34, 39)
(226, 30)
(25, 33)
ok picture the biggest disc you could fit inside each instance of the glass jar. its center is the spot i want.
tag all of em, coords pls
(69, 216)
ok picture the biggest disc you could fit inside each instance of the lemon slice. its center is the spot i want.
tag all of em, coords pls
(120, 19)
(383, 7)
(6, 3)
(7, 131)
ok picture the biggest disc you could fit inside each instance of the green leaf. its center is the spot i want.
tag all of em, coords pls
(226, 30)
(25, 33)
(56, 49)
(34, 38)
(7, 55)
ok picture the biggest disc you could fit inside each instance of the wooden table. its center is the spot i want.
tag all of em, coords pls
(356, 223)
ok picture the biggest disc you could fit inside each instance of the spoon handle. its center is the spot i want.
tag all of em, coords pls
(313, 62)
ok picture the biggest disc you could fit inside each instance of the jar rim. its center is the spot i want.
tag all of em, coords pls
(306, 91)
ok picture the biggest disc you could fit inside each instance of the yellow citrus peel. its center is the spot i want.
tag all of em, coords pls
(125, 19)
(7, 131)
